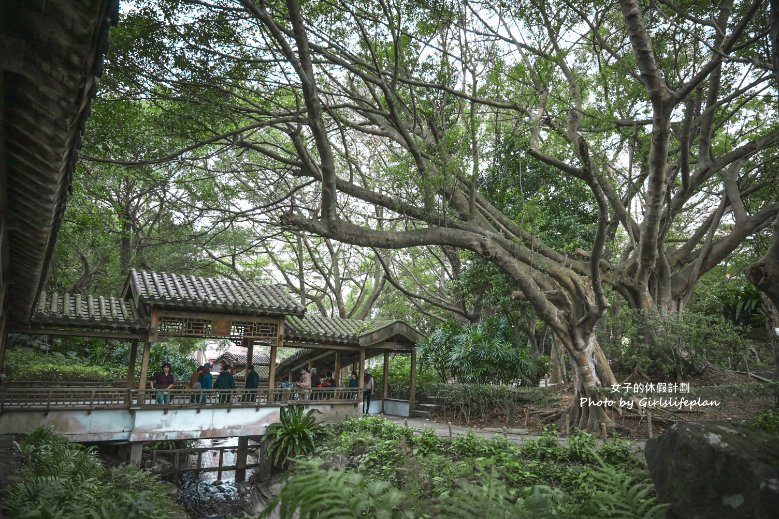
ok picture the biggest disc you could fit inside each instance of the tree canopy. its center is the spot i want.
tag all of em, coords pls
(578, 147)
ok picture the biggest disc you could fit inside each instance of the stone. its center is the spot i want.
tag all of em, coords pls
(337, 462)
(275, 489)
(710, 470)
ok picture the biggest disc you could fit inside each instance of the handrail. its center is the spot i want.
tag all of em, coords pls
(52, 398)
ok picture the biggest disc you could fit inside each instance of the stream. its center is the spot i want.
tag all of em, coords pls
(206, 497)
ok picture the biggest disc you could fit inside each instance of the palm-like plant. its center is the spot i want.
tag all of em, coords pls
(295, 435)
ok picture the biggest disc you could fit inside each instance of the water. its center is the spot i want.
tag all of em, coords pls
(206, 497)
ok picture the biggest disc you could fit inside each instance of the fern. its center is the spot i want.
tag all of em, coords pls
(622, 497)
(296, 434)
(336, 494)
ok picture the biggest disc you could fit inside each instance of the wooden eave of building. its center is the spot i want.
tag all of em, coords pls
(321, 337)
(52, 55)
(86, 316)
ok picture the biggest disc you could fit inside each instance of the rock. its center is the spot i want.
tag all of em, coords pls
(337, 462)
(275, 489)
(217, 482)
(715, 470)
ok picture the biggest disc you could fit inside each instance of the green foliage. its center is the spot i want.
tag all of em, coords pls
(581, 447)
(344, 494)
(469, 402)
(620, 496)
(296, 434)
(399, 377)
(74, 359)
(670, 344)
(767, 421)
(31, 365)
(426, 466)
(66, 480)
(336, 494)
(487, 352)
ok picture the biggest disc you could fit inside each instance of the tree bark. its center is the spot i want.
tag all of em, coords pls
(591, 373)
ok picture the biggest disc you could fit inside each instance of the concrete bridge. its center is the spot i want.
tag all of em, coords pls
(115, 414)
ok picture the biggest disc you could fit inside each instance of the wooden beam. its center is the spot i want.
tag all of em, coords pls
(361, 378)
(337, 369)
(384, 389)
(412, 391)
(131, 367)
(78, 332)
(3, 336)
(272, 367)
(144, 372)
(249, 351)
(307, 362)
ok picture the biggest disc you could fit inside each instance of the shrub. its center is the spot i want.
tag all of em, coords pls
(487, 352)
(581, 447)
(296, 434)
(66, 480)
(672, 344)
(767, 421)
(468, 402)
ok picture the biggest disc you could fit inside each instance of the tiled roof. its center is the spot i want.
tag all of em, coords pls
(52, 55)
(239, 361)
(333, 330)
(90, 311)
(210, 294)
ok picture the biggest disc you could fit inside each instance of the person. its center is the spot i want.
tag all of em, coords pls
(353, 381)
(194, 384)
(327, 382)
(206, 382)
(367, 392)
(163, 381)
(305, 381)
(226, 383)
(252, 383)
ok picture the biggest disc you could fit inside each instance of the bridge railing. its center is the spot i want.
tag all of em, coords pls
(50, 398)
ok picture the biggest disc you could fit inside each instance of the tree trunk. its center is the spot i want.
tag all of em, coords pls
(591, 372)
(557, 373)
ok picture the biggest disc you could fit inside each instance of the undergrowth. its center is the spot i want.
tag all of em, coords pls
(395, 472)
(64, 480)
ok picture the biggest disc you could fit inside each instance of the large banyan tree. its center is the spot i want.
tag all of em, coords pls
(373, 122)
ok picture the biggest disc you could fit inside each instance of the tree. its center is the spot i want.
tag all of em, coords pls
(659, 115)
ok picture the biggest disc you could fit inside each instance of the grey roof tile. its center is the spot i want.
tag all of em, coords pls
(212, 294)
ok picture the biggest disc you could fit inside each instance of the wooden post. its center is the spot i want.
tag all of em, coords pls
(272, 368)
(412, 390)
(603, 431)
(384, 389)
(337, 368)
(136, 453)
(131, 367)
(361, 379)
(221, 459)
(249, 352)
(144, 373)
(450, 430)
(3, 313)
(240, 459)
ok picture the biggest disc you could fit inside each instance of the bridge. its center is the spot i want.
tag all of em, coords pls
(40, 134)
(155, 307)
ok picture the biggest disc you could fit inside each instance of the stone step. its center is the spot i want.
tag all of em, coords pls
(426, 407)
(416, 413)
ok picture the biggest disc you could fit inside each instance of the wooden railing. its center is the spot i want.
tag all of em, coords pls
(49, 398)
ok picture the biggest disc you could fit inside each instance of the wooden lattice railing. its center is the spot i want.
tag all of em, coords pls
(52, 398)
